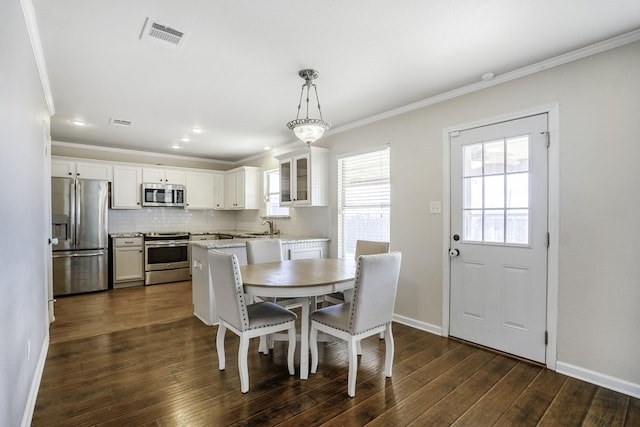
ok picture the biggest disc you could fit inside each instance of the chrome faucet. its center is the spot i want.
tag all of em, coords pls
(266, 221)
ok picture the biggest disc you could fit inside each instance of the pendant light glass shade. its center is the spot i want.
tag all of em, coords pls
(308, 130)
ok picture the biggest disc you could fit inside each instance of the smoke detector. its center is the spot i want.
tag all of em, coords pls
(161, 34)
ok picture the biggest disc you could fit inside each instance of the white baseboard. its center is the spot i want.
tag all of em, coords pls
(30, 406)
(423, 326)
(598, 378)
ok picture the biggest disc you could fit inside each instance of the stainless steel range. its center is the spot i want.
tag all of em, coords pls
(166, 257)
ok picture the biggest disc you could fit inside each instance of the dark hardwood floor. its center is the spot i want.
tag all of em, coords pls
(138, 357)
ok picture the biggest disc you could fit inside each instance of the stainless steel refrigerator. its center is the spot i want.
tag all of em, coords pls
(79, 210)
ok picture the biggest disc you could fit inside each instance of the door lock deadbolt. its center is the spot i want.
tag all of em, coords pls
(456, 237)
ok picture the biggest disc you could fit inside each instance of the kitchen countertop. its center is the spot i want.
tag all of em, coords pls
(241, 242)
(126, 235)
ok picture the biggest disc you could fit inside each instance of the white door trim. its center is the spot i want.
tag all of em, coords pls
(553, 111)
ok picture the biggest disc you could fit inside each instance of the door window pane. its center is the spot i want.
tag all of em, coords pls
(517, 226)
(473, 160)
(518, 190)
(494, 157)
(472, 225)
(494, 226)
(473, 193)
(496, 191)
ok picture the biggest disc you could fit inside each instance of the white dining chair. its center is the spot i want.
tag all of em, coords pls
(260, 251)
(369, 312)
(245, 320)
(363, 247)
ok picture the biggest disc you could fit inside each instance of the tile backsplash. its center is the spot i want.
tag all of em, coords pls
(302, 221)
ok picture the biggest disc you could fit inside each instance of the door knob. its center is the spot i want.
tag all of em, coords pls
(454, 252)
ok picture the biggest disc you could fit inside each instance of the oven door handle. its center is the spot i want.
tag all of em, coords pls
(164, 244)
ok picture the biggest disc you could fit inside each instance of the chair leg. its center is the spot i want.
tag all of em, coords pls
(292, 349)
(353, 367)
(359, 347)
(243, 352)
(220, 345)
(389, 350)
(313, 347)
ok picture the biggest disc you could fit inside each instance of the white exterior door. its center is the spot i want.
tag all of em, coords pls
(498, 241)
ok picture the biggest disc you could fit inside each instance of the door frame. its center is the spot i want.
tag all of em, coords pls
(553, 194)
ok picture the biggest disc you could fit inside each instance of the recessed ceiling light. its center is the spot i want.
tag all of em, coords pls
(175, 146)
(196, 130)
(266, 148)
(78, 123)
(487, 76)
(185, 139)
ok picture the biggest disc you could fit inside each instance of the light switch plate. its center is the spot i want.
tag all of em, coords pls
(435, 207)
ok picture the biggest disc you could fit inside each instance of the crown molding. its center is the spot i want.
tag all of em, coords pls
(612, 43)
(138, 152)
(36, 47)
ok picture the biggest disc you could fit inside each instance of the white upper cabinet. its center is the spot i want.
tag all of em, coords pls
(165, 176)
(87, 170)
(200, 190)
(241, 188)
(126, 191)
(218, 191)
(304, 177)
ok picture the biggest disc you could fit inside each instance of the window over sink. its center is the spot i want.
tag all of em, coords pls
(272, 194)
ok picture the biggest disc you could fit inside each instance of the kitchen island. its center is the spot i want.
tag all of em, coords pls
(203, 298)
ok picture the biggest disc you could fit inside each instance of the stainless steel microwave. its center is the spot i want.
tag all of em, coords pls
(154, 194)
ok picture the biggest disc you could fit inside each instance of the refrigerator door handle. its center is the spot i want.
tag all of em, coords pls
(74, 255)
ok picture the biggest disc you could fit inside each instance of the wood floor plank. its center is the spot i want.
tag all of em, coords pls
(415, 405)
(138, 357)
(456, 403)
(531, 405)
(633, 413)
(608, 408)
(570, 404)
(494, 404)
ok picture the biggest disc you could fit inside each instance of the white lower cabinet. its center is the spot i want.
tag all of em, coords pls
(204, 303)
(128, 262)
(305, 250)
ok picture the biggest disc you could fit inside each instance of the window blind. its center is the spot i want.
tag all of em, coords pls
(364, 200)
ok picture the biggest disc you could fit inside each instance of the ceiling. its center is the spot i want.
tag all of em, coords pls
(234, 72)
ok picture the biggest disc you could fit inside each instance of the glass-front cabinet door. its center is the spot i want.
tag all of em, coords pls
(285, 183)
(302, 180)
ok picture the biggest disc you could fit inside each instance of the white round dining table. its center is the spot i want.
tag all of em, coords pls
(304, 279)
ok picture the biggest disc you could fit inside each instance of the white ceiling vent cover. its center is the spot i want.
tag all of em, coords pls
(161, 34)
(120, 122)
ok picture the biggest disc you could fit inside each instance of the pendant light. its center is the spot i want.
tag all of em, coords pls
(307, 129)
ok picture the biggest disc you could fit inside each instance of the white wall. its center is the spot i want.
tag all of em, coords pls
(599, 273)
(23, 292)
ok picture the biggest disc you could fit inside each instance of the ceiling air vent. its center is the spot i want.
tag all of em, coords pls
(120, 122)
(161, 34)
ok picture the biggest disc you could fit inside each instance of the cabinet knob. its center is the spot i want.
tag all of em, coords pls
(70, 173)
